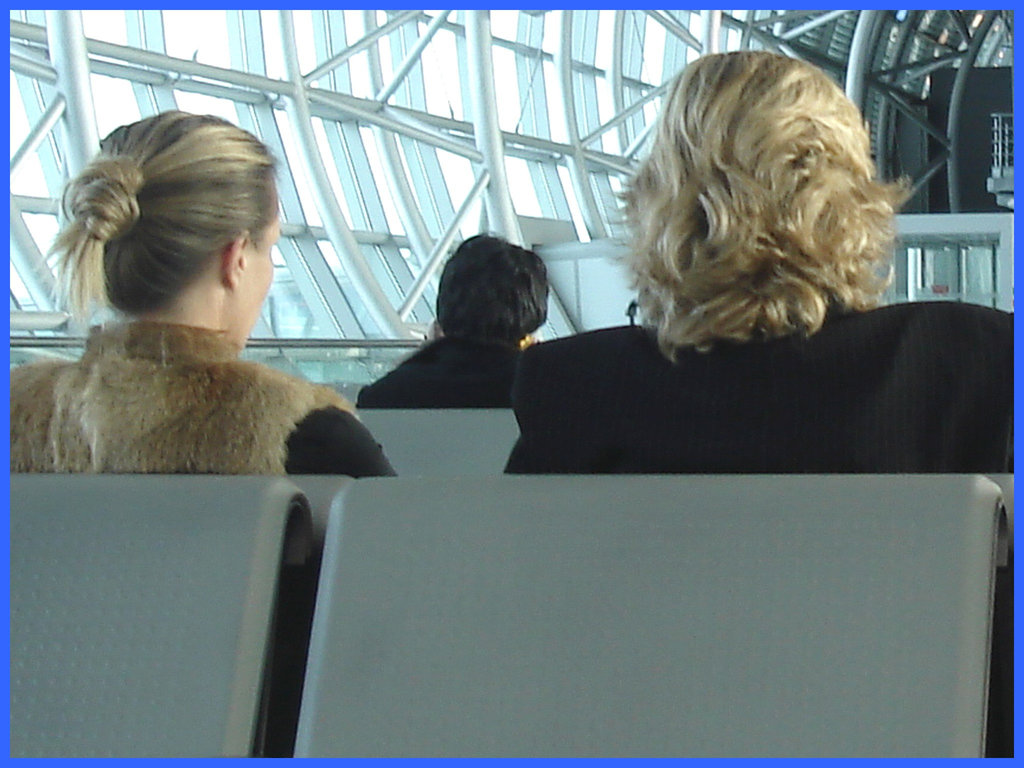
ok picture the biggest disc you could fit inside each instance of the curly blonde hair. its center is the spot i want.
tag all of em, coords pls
(757, 208)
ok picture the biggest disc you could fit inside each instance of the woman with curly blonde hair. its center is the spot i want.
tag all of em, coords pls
(761, 246)
(750, 223)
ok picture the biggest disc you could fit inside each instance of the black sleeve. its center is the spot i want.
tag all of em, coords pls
(366, 397)
(330, 441)
(540, 448)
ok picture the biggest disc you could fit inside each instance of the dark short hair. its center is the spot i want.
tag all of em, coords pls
(492, 291)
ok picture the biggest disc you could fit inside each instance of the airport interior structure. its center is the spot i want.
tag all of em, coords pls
(453, 611)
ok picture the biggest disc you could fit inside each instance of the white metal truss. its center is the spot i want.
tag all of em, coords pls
(402, 132)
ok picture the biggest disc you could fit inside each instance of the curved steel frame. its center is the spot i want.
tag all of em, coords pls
(956, 101)
(481, 141)
(71, 61)
(334, 221)
(577, 160)
(501, 213)
(415, 227)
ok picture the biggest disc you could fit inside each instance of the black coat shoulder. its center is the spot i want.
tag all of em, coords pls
(919, 387)
(447, 373)
(331, 441)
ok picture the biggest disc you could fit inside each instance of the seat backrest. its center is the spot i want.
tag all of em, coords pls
(1000, 715)
(1005, 483)
(653, 616)
(320, 491)
(444, 441)
(141, 608)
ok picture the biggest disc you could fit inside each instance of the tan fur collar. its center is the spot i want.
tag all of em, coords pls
(160, 342)
(150, 397)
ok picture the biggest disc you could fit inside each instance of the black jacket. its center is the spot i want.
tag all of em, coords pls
(447, 373)
(920, 387)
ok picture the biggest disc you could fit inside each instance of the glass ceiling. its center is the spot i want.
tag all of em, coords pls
(403, 132)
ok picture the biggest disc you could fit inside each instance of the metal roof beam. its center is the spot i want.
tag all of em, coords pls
(366, 285)
(675, 28)
(66, 42)
(956, 101)
(812, 24)
(361, 45)
(577, 158)
(39, 131)
(501, 213)
(441, 247)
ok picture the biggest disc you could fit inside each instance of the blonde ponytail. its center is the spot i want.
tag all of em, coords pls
(99, 205)
(162, 198)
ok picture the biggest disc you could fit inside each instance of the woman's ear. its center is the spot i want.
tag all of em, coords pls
(233, 262)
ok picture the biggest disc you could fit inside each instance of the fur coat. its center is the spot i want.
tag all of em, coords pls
(156, 398)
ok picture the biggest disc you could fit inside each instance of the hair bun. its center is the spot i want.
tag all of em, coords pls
(105, 197)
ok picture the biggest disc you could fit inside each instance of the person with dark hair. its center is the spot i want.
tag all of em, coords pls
(491, 298)
(172, 226)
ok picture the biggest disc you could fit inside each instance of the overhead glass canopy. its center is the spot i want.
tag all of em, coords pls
(403, 132)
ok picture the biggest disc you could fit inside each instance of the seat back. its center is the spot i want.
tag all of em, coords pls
(1005, 483)
(141, 608)
(444, 441)
(320, 491)
(1000, 714)
(650, 616)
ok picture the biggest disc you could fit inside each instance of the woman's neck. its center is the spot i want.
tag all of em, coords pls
(197, 306)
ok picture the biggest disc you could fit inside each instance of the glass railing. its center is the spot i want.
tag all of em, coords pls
(954, 257)
(1002, 145)
(345, 365)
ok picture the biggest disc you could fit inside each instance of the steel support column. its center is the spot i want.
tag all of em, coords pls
(29, 262)
(885, 152)
(501, 213)
(38, 133)
(640, 139)
(412, 57)
(344, 242)
(861, 48)
(712, 32)
(615, 76)
(807, 26)
(577, 161)
(956, 99)
(372, 37)
(622, 115)
(401, 191)
(435, 130)
(673, 27)
(440, 250)
(25, 64)
(66, 41)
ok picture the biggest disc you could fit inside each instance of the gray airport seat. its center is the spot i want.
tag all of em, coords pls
(1005, 483)
(648, 616)
(1001, 683)
(444, 441)
(320, 491)
(141, 608)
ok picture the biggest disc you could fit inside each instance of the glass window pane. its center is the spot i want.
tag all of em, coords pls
(120, 106)
(940, 271)
(197, 36)
(108, 26)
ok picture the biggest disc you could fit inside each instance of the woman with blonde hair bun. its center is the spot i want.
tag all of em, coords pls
(761, 243)
(172, 226)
